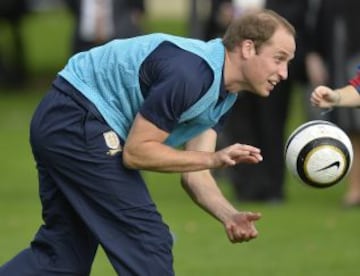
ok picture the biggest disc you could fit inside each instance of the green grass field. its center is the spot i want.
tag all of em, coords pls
(309, 235)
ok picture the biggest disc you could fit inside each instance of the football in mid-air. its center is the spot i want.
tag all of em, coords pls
(319, 153)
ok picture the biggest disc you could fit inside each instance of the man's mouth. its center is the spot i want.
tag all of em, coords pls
(273, 84)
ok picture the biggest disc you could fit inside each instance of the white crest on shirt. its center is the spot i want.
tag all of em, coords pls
(112, 142)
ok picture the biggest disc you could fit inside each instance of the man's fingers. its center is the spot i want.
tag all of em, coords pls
(253, 216)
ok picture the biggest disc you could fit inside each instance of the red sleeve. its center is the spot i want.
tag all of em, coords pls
(356, 81)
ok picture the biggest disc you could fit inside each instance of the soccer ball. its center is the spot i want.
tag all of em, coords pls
(319, 153)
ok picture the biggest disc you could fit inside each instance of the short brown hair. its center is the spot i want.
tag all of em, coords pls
(258, 26)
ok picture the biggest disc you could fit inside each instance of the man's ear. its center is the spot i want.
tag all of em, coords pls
(247, 48)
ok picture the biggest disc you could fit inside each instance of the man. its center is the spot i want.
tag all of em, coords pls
(125, 107)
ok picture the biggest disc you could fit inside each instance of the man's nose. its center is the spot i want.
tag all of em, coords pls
(283, 72)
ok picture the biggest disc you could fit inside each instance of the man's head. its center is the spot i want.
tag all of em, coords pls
(259, 46)
(258, 26)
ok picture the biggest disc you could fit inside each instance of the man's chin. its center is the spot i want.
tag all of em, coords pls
(267, 93)
(261, 92)
(264, 93)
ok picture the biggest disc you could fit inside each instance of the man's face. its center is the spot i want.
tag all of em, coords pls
(267, 66)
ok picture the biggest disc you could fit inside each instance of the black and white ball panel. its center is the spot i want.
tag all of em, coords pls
(319, 153)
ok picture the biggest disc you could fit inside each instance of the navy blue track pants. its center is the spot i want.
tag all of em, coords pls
(88, 198)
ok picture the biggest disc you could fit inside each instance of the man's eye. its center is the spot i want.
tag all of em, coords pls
(280, 59)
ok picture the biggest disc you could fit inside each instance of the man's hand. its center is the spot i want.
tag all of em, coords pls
(237, 153)
(241, 227)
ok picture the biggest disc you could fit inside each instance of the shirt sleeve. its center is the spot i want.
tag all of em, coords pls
(172, 80)
(356, 81)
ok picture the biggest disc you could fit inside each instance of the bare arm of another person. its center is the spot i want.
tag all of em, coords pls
(325, 97)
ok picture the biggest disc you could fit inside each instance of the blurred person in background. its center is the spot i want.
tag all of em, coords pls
(332, 61)
(219, 18)
(99, 21)
(12, 58)
(128, 106)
